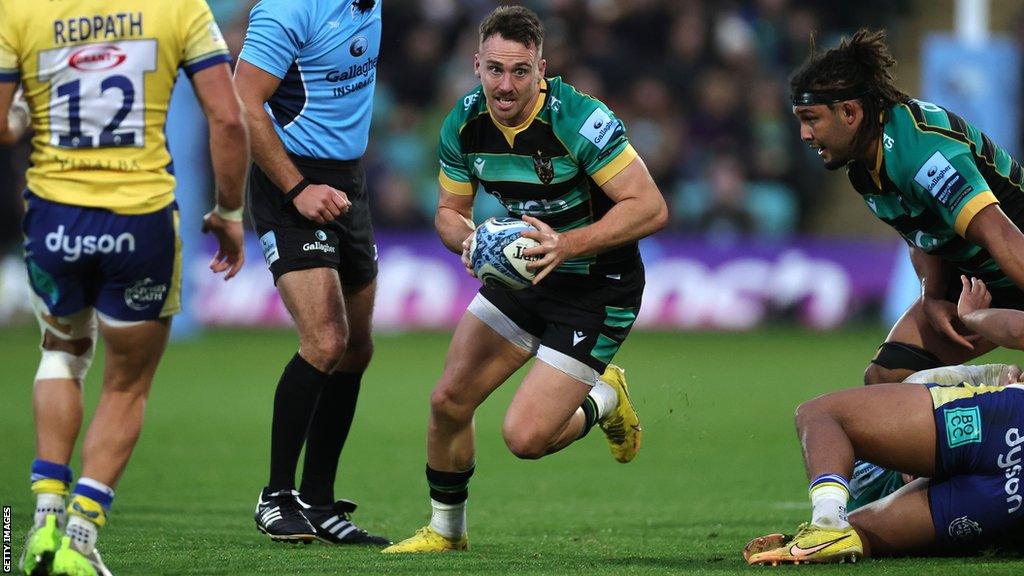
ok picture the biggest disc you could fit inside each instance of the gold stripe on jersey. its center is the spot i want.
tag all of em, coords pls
(454, 186)
(971, 209)
(98, 76)
(510, 132)
(618, 164)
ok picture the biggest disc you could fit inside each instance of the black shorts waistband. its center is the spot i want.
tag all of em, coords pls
(325, 163)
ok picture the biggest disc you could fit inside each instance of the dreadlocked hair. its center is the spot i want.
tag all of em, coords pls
(862, 61)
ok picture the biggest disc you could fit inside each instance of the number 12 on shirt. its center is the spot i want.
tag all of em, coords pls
(97, 93)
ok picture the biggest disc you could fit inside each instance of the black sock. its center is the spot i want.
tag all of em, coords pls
(327, 434)
(449, 487)
(589, 415)
(294, 404)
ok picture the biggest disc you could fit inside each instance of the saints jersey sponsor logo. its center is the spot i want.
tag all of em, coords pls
(599, 128)
(938, 177)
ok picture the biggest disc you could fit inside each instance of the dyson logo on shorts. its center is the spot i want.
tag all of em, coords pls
(74, 246)
(1010, 463)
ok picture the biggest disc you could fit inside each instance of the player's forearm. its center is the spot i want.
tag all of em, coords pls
(229, 152)
(627, 221)
(1002, 326)
(267, 150)
(453, 227)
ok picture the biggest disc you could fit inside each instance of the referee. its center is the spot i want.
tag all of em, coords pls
(307, 74)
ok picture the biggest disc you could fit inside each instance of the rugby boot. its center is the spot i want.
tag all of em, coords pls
(812, 544)
(426, 539)
(40, 546)
(621, 427)
(765, 543)
(279, 515)
(333, 524)
(70, 561)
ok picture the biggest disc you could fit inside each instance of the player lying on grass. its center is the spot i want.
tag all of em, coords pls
(963, 442)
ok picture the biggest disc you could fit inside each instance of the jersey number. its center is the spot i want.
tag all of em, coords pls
(97, 93)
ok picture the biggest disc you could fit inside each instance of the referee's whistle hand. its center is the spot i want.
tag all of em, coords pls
(322, 203)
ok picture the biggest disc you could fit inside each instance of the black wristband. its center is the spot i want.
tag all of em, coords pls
(294, 192)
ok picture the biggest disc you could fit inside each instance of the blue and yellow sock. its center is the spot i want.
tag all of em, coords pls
(50, 482)
(87, 511)
(829, 494)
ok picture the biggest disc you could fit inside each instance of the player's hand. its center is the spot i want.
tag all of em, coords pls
(974, 296)
(321, 203)
(466, 260)
(231, 250)
(554, 248)
(942, 315)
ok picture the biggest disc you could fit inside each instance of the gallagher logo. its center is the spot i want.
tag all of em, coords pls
(358, 46)
(94, 58)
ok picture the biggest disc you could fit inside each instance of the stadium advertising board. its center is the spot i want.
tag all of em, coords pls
(691, 284)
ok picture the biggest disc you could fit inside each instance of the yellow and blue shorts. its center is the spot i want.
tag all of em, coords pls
(128, 267)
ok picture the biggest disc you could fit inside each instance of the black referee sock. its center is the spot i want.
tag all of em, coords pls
(294, 404)
(327, 434)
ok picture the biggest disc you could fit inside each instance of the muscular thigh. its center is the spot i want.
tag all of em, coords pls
(479, 360)
(914, 328)
(314, 300)
(545, 400)
(898, 524)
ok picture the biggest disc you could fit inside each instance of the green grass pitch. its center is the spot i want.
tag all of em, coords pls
(720, 462)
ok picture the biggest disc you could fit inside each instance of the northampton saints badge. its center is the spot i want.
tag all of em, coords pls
(543, 167)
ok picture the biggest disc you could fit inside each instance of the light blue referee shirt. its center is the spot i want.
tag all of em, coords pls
(325, 52)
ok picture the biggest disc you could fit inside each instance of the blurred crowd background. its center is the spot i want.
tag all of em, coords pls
(702, 86)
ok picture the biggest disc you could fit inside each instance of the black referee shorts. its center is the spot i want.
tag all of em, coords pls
(292, 242)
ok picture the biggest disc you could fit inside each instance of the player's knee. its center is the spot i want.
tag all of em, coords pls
(875, 374)
(67, 356)
(325, 349)
(809, 411)
(446, 405)
(358, 353)
(525, 444)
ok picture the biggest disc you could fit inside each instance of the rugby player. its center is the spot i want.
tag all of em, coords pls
(101, 230)
(953, 195)
(965, 440)
(560, 160)
(306, 74)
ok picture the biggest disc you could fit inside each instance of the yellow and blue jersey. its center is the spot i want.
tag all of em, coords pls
(98, 76)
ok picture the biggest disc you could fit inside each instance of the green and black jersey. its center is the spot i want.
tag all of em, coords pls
(550, 167)
(935, 172)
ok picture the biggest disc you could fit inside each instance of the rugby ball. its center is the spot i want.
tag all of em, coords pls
(496, 253)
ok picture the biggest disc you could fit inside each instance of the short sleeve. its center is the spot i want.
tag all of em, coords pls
(602, 149)
(204, 43)
(9, 65)
(954, 187)
(277, 29)
(454, 176)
